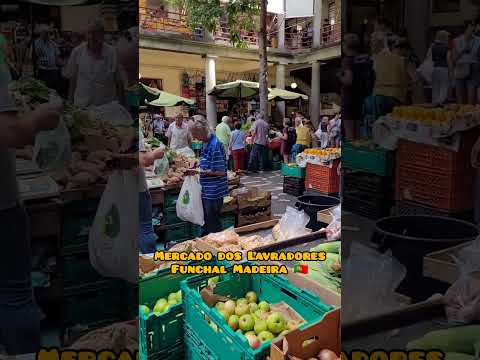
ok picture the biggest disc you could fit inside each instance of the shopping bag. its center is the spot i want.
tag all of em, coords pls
(189, 203)
(160, 167)
(52, 149)
(113, 237)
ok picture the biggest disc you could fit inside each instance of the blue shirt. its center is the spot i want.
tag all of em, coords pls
(238, 140)
(213, 159)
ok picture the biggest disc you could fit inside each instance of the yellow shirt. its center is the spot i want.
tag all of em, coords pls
(391, 77)
(304, 136)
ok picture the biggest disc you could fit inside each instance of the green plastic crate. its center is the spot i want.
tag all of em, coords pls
(293, 171)
(377, 161)
(197, 145)
(158, 332)
(130, 310)
(195, 348)
(76, 229)
(171, 199)
(78, 269)
(225, 343)
(94, 304)
(171, 216)
(177, 232)
(276, 165)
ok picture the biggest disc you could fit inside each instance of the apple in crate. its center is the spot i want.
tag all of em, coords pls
(276, 323)
(246, 322)
(253, 341)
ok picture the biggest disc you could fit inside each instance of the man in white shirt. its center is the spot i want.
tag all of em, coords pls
(93, 70)
(178, 134)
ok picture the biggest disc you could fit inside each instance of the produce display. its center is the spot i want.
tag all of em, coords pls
(324, 154)
(329, 272)
(254, 319)
(460, 343)
(433, 116)
(162, 305)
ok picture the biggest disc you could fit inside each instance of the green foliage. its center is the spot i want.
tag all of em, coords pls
(240, 16)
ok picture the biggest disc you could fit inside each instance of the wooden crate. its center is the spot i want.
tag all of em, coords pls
(440, 265)
(261, 216)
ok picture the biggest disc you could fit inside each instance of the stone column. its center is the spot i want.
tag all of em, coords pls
(210, 82)
(281, 31)
(317, 23)
(280, 84)
(315, 94)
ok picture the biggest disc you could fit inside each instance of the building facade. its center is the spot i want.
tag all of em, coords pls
(190, 63)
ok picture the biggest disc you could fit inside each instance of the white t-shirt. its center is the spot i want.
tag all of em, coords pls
(178, 136)
(96, 78)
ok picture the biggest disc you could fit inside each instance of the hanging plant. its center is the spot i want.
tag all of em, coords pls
(185, 79)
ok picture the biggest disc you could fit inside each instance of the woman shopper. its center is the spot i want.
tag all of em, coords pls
(289, 138)
(237, 147)
(440, 75)
(304, 138)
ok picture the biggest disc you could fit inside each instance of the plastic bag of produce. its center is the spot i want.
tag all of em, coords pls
(334, 229)
(371, 278)
(462, 299)
(189, 204)
(292, 224)
(113, 237)
(53, 149)
(160, 167)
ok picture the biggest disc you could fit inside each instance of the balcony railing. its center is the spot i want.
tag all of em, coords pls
(296, 37)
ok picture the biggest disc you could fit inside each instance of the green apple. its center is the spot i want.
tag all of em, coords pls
(275, 323)
(172, 301)
(225, 314)
(241, 309)
(292, 325)
(242, 301)
(179, 296)
(253, 307)
(160, 305)
(213, 280)
(250, 333)
(230, 306)
(260, 325)
(253, 341)
(233, 322)
(246, 322)
(145, 309)
(219, 305)
(265, 336)
(264, 306)
(251, 296)
(172, 296)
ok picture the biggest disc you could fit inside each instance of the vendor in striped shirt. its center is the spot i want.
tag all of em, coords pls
(213, 174)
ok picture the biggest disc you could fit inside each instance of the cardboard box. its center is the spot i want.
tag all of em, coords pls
(325, 334)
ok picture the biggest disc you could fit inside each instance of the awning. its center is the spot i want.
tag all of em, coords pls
(284, 95)
(167, 99)
(239, 89)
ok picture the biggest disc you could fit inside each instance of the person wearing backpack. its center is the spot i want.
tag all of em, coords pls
(289, 138)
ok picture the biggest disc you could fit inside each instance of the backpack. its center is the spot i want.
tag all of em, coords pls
(291, 136)
(363, 76)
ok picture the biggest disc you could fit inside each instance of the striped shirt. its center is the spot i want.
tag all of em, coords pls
(47, 53)
(213, 159)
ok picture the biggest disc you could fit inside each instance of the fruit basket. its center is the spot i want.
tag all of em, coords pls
(208, 324)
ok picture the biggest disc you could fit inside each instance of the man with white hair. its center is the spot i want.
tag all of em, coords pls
(178, 134)
(213, 174)
(48, 55)
(93, 70)
(224, 133)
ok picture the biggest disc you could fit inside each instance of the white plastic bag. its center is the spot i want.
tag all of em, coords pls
(189, 204)
(334, 229)
(371, 279)
(462, 299)
(113, 238)
(160, 167)
(113, 113)
(52, 150)
(292, 224)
